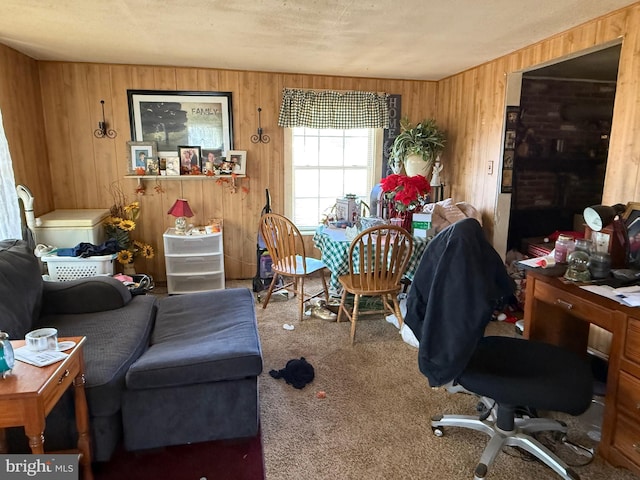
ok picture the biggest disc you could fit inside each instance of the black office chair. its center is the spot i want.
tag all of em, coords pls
(460, 282)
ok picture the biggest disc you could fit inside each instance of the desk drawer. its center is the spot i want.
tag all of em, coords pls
(632, 343)
(60, 382)
(573, 304)
(627, 438)
(629, 394)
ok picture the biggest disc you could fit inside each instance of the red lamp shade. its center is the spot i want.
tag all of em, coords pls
(181, 209)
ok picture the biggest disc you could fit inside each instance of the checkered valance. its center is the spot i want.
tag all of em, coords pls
(330, 109)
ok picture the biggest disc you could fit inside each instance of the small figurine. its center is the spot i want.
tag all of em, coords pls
(435, 176)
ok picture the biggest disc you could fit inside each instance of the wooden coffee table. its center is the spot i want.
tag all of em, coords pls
(30, 393)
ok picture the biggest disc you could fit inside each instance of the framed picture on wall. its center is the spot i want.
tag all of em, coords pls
(190, 163)
(172, 166)
(181, 118)
(238, 161)
(507, 159)
(139, 154)
(510, 140)
(513, 113)
(631, 219)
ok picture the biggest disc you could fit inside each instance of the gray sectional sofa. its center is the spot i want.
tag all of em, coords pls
(159, 371)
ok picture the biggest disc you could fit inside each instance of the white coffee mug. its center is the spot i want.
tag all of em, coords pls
(42, 339)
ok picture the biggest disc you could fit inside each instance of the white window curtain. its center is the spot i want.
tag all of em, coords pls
(10, 224)
(331, 109)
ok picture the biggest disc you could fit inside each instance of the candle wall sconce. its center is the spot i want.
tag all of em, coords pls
(102, 130)
(260, 137)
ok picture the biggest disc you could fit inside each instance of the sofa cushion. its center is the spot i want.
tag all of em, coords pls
(21, 287)
(115, 339)
(198, 338)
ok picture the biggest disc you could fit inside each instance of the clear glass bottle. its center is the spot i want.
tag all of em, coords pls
(584, 245)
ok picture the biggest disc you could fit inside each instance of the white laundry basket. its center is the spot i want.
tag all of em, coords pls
(63, 269)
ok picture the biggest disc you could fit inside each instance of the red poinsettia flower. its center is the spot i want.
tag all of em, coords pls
(406, 192)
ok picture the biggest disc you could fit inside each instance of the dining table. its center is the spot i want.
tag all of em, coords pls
(334, 244)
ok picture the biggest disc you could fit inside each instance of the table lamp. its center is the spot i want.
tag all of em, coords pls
(599, 216)
(607, 220)
(180, 210)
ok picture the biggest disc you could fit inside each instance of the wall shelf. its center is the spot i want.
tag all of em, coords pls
(182, 177)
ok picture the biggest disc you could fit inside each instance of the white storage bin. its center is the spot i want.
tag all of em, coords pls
(194, 264)
(194, 283)
(68, 228)
(63, 269)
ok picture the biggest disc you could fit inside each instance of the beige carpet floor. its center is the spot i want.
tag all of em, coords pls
(374, 421)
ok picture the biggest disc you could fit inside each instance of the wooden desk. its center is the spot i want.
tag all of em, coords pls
(30, 393)
(560, 313)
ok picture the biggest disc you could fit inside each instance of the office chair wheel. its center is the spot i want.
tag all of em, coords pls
(437, 431)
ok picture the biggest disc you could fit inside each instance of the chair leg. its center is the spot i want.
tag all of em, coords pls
(342, 307)
(541, 452)
(324, 285)
(398, 313)
(516, 438)
(301, 296)
(354, 317)
(270, 291)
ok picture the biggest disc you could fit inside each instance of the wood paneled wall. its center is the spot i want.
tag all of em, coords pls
(21, 107)
(471, 108)
(83, 167)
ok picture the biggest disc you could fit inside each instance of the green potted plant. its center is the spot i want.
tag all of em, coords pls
(417, 147)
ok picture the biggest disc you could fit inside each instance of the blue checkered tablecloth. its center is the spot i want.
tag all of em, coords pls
(334, 247)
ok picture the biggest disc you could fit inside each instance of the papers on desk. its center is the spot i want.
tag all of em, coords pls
(547, 261)
(39, 359)
(629, 296)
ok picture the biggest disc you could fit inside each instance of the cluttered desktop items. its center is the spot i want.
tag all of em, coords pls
(608, 252)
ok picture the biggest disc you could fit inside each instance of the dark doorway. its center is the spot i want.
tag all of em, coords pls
(562, 141)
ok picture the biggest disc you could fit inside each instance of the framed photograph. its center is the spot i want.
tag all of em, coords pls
(172, 166)
(153, 166)
(189, 160)
(139, 154)
(237, 162)
(600, 241)
(631, 213)
(513, 113)
(174, 118)
(510, 140)
(631, 217)
(507, 159)
(211, 160)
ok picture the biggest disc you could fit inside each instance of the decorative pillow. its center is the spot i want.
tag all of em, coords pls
(84, 295)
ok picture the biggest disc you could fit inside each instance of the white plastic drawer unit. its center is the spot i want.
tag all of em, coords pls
(193, 244)
(194, 283)
(194, 263)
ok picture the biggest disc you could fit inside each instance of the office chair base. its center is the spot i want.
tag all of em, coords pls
(518, 438)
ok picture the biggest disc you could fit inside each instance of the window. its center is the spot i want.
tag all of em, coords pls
(325, 164)
(10, 224)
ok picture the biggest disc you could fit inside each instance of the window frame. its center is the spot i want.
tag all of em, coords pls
(374, 175)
